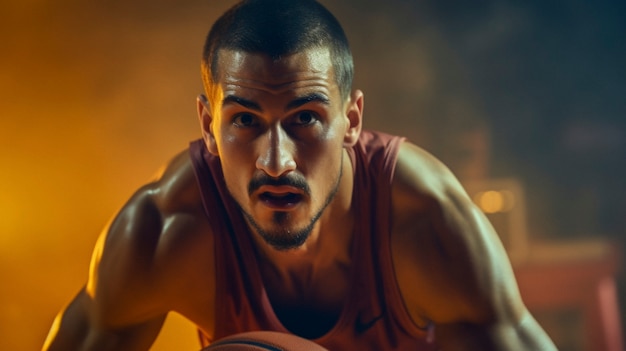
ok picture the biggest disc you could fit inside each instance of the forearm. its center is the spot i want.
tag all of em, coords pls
(524, 335)
(532, 336)
(70, 328)
(74, 330)
(98, 340)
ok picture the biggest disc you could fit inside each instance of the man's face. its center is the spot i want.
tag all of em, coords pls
(279, 128)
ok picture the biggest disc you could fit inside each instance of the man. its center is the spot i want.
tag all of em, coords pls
(287, 216)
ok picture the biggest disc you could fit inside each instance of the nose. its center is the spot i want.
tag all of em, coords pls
(276, 155)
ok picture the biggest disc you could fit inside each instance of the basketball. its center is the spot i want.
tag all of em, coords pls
(263, 341)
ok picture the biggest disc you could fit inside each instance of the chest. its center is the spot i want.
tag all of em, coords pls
(308, 302)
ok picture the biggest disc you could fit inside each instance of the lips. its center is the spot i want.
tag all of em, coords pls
(280, 200)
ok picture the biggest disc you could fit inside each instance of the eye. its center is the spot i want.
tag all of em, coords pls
(305, 118)
(245, 120)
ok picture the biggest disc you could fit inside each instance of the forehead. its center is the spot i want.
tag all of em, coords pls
(310, 68)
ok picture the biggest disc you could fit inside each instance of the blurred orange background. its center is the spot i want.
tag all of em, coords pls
(94, 99)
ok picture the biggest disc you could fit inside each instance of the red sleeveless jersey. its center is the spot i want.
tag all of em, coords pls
(374, 317)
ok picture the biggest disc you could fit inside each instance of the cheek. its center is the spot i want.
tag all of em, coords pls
(233, 146)
(321, 163)
(237, 165)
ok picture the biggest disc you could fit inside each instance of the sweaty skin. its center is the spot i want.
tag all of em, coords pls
(287, 118)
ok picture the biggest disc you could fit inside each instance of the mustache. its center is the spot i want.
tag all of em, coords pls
(292, 179)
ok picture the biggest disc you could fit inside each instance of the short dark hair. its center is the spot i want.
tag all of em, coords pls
(278, 28)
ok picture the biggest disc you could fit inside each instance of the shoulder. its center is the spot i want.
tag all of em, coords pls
(135, 270)
(421, 176)
(450, 264)
(423, 186)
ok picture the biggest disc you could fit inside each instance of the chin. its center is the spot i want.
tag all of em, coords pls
(282, 243)
(282, 235)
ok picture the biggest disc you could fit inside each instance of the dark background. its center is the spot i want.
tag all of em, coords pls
(96, 96)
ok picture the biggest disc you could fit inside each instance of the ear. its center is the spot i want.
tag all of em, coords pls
(354, 114)
(206, 120)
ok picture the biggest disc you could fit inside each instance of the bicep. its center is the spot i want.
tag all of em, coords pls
(115, 310)
(475, 262)
(119, 301)
(491, 314)
(451, 266)
(76, 329)
(122, 279)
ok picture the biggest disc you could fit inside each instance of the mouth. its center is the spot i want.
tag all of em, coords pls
(280, 200)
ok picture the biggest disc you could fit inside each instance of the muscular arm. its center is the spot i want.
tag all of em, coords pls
(135, 275)
(115, 310)
(76, 329)
(450, 264)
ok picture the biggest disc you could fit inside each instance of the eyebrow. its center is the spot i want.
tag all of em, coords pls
(232, 99)
(313, 97)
